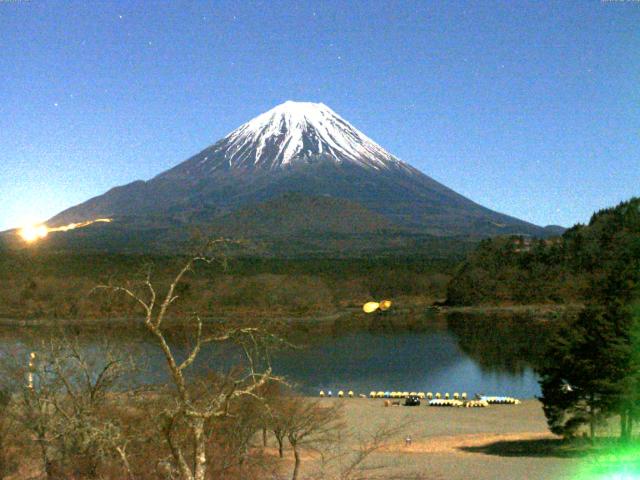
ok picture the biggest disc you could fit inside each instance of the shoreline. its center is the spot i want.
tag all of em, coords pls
(349, 313)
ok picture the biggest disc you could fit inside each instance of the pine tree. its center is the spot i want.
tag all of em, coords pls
(593, 369)
(585, 375)
(629, 401)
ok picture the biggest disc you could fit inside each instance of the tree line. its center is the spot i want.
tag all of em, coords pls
(523, 270)
(591, 370)
(49, 286)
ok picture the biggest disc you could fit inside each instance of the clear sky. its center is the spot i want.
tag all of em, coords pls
(529, 108)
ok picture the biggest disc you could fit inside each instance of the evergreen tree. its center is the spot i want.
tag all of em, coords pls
(629, 401)
(584, 374)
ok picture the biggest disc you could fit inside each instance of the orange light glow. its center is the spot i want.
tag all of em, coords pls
(32, 233)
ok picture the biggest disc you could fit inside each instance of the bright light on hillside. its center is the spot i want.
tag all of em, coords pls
(31, 233)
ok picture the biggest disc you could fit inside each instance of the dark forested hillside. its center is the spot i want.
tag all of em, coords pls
(523, 270)
(59, 285)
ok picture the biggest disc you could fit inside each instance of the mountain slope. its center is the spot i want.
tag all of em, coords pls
(294, 214)
(304, 148)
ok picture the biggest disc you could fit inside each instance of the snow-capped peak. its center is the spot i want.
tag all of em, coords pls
(295, 131)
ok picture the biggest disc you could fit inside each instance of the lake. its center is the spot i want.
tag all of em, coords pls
(454, 353)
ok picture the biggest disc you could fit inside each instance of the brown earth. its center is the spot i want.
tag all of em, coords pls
(498, 442)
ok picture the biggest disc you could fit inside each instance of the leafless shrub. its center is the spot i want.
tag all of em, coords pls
(8, 463)
(342, 461)
(58, 398)
(304, 424)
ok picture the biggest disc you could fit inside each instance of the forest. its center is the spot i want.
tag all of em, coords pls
(50, 285)
(521, 270)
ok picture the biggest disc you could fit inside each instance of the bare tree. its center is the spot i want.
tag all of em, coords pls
(91, 436)
(305, 424)
(33, 389)
(349, 456)
(58, 394)
(357, 468)
(196, 404)
(278, 423)
(7, 463)
(85, 379)
(234, 444)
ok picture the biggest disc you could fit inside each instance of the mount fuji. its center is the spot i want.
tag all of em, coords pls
(296, 171)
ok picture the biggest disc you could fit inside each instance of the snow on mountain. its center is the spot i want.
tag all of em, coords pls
(306, 149)
(290, 133)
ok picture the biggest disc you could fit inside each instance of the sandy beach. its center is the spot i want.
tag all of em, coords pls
(498, 442)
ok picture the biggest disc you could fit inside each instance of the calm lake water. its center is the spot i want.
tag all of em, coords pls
(457, 353)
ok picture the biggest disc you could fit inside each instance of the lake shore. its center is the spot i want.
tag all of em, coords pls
(501, 441)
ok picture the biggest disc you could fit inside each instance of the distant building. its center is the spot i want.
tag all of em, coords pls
(522, 244)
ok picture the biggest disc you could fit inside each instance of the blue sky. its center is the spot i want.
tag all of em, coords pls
(529, 108)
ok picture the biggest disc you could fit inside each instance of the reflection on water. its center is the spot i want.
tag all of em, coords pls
(416, 361)
(454, 354)
(509, 344)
